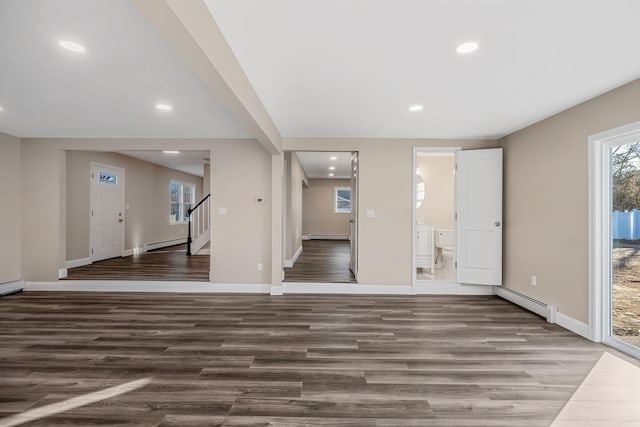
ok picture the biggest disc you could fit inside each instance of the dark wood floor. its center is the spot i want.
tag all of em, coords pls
(313, 360)
(170, 263)
(322, 261)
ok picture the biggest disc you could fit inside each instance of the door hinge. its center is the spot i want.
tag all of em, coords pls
(456, 166)
(456, 215)
(91, 175)
(91, 251)
(91, 212)
(456, 264)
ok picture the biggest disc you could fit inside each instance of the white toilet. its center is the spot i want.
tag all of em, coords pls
(445, 239)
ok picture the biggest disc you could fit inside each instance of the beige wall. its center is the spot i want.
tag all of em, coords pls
(438, 208)
(318, 206)
(146, 201)
(295, 177)
(546, 199)
(241, 238)
(10, 214)
(386, 186)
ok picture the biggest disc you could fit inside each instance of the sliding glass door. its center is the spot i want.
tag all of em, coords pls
(622, 316)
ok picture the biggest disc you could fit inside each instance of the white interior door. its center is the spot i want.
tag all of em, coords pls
(107, 212)
(479, 216)
(353, 222)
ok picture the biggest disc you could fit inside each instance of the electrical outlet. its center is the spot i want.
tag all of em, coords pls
(534, 280)
(259, 266)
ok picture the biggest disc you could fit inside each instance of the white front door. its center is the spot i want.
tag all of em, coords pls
(479, 216)
(107, 212)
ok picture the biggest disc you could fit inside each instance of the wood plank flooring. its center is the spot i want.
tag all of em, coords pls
(312, 360)
(322, 261)
(170, 263)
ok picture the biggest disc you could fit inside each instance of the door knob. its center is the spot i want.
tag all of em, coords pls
(120, 220)
(497, 224)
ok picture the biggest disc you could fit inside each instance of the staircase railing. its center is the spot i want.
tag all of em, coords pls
(199, 222)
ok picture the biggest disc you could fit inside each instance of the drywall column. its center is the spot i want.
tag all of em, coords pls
(43, 224)
(277, 219)
(10, 217)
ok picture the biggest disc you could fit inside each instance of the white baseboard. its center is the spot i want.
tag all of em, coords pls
(547, 311)
(11, 287)
(146, 286)
(328, 237)
(345, 288)
(205, 251)
(129, 252)
(306, 237)
(533, 305)
(288, 263)
(62, 273)
(77, 262)
(158, 245)
(450, 288)
(575, 326)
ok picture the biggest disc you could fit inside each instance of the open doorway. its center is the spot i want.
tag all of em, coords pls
(135, 215)
(320, 205)
(434, 211)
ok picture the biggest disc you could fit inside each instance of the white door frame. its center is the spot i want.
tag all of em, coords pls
(91, 197)
(600, 269)
(414, 249)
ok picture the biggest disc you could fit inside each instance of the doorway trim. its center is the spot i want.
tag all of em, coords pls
(414, 275)
(91, 206)
(600, 269)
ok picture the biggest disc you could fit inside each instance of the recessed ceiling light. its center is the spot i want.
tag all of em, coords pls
(164, 107)
(332, 168)
(71, 46)
(333, 158)
(171, 152)
(467, 47)
(330, 174)
(416, 108)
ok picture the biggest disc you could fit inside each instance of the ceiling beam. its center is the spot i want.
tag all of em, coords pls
(193, 33)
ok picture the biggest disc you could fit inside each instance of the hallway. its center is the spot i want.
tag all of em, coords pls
(322, 261)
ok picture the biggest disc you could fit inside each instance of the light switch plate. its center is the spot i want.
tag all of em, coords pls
(371, 213)
(222, 211)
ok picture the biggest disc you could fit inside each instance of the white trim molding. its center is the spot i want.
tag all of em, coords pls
(548, 311)
(11, 287)
(326, 237)
(62, 273)
(288, 263)
(78, 262)
(146, 286)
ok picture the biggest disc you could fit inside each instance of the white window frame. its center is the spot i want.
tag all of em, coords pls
(335, 201)
(600, 269)
(181, 212)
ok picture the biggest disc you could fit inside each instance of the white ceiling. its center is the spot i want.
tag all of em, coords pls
(112, 89)
(316, 164)
(187, 161)
(352, 68)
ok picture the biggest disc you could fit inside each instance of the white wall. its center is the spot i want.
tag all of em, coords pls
(11, 212)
